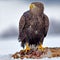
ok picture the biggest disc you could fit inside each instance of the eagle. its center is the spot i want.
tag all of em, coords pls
(33, 26)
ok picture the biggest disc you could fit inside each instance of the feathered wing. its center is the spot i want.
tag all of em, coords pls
(21, 23)
(46, 24)
(21, 26)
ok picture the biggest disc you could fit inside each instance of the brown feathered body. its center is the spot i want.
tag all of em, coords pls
(33, 28)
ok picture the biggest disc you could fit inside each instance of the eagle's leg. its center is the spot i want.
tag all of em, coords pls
(40, 47)
(27, 47)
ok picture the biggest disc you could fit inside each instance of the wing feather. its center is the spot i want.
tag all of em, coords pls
(46, 24)
(21, 23)
(21, 26)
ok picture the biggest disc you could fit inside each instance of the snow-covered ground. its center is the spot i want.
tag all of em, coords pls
(10, 46)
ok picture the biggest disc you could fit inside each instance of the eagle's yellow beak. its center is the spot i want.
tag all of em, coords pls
(32, 6)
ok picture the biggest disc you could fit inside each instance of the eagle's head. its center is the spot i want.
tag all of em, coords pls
(37, 8)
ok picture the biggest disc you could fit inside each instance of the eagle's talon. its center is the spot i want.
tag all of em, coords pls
(40, 47)
(27, 47)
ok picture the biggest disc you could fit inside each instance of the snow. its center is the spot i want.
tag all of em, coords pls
(10, 46)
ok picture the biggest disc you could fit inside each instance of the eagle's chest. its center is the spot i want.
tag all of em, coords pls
(36, 23)
(34, 27)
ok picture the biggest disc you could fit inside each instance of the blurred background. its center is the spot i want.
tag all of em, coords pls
(10, 13)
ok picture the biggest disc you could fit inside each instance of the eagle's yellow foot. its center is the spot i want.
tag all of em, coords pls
(27, 47)
(40, 47)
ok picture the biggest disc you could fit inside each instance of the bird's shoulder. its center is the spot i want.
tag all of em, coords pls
(45, 17)
(27, 14)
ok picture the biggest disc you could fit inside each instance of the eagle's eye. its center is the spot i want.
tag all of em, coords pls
(32, 6)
